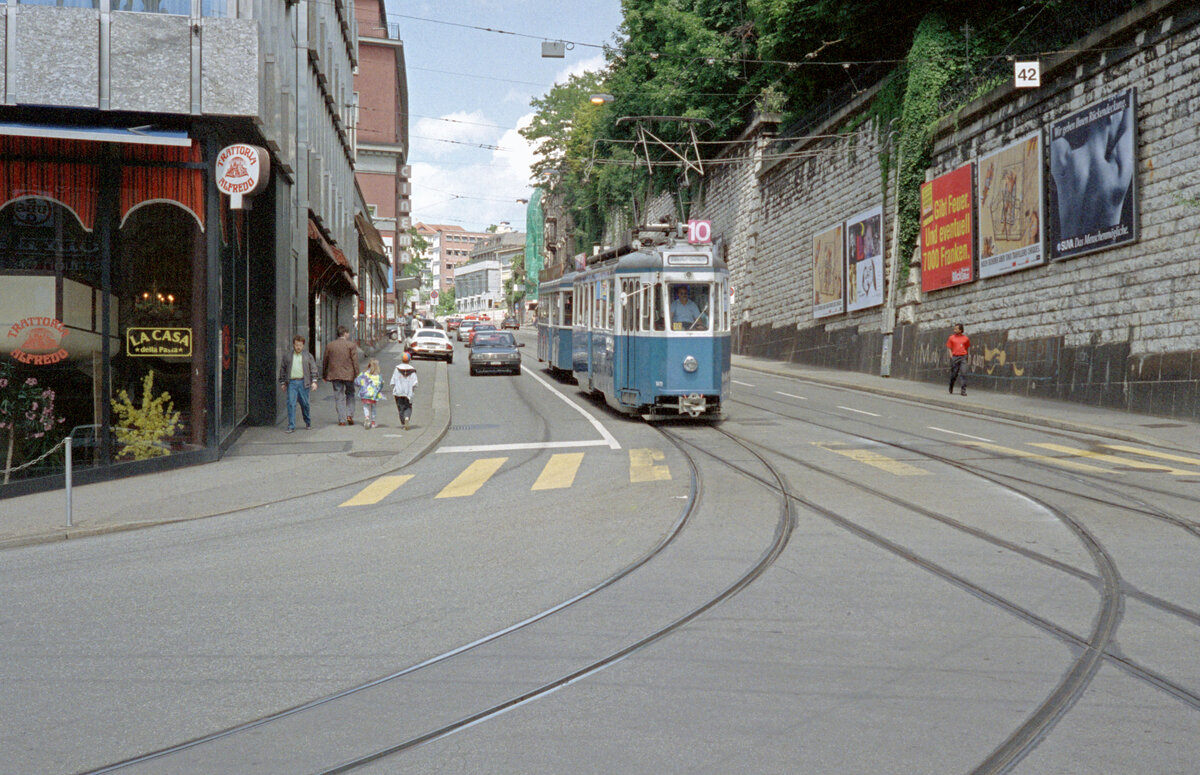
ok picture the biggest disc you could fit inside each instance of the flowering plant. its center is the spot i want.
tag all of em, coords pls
(143, 429)
(27, 415)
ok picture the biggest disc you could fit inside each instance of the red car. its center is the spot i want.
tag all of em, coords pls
(452, 323)
(476, 329)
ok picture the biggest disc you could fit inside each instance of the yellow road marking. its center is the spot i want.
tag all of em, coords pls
(1057, 461)
(1152, 453)
(1121, 461)
(377, 490)
(643, 468)
(472, 478)
(875, 459)
(559, 471)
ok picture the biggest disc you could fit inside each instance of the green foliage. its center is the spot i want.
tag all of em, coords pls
(142, 429)
(445, 305)
(27, 416)
(724, 59)
(929, 71)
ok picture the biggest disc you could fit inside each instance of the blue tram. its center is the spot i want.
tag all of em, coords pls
(650, 329)
(554, 322)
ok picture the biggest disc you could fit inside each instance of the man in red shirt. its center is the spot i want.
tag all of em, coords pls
(958, 344)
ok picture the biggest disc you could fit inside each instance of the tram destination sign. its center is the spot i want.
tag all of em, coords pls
(158, 342)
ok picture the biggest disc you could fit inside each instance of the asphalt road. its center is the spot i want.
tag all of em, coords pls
(888, 588)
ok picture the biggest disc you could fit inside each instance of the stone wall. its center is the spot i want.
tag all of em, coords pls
(1118, 328)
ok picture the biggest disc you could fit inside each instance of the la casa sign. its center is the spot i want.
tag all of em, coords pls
(242, 170)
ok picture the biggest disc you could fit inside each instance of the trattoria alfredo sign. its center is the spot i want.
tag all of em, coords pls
(242, 170)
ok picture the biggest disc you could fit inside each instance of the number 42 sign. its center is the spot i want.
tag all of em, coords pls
(699, 232)
(1027, 75)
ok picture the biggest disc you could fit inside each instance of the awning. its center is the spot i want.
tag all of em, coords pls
(408, 283)
(370, 236)
(328, 267)
(142, 135)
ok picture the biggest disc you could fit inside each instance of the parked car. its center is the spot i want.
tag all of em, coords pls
(464, 329)
(511, 322)
(478, 327)
(495, 351)
(452, 323)
(430, 343)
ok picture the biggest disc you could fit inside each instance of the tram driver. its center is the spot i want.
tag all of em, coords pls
(685, 314)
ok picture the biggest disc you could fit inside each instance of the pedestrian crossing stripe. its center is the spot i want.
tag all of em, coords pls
(559, 472)
(644, 467)
(1121, 461)
(1055, 461)
(1153, 453)
(470, 480)
(874, 459)
(377, 490)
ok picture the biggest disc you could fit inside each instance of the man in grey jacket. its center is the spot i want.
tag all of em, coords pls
(297, 375)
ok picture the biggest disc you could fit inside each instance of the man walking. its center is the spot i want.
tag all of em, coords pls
(958, 344)
(297, 375)
(340, 367)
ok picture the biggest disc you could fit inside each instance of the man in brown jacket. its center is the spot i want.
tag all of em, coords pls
(340, 367)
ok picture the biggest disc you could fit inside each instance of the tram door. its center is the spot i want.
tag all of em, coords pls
(629, 380)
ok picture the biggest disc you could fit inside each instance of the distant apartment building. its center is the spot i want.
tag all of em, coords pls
(381, 134)
(449, 247)
(120, 259)
(480, 283)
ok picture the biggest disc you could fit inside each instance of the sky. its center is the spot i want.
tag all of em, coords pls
(469, 91)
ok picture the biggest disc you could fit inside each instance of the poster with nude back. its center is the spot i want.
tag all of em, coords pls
(828, 264)
(1009, 190)
(1091, 192)
(864, 260)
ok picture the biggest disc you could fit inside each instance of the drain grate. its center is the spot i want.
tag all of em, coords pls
(472, 427)
(1164, 425)
(373, 453)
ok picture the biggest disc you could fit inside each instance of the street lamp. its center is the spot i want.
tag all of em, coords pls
(600, 99)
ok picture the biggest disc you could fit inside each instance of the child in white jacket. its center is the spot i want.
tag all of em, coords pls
(404, 382)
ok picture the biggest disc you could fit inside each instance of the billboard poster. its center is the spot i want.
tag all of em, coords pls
(864, 260)
(947, 236)
(1010, 208)
(828, 265)
(1091, 198)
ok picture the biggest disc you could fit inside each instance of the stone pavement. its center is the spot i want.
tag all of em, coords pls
(264, 466)
(267, 465)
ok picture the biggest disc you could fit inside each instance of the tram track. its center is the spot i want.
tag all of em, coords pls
(1096, 648)
(162, 757)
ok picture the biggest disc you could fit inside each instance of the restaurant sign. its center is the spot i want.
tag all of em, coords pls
(38, 341)
(242, 170)
(158, 342)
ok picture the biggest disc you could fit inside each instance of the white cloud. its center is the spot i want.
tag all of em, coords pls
(475, 194)
(591, 64)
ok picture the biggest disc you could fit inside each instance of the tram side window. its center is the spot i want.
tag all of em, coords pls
(630, 306)
(610, 304)
(691, 306)
(566, 308)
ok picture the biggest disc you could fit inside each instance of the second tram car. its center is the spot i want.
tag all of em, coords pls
(555, 321)
(650, 328)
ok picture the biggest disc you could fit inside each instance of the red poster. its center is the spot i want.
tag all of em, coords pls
(947, 231)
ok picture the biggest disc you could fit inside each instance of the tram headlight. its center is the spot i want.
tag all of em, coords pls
(690, 364)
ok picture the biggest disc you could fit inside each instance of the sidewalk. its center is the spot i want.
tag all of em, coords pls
(1167, 433)
(265, 466)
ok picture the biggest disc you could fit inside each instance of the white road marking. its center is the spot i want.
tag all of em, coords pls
(789, 395)
(524, 445)
(743, 384)
(860, 411)
(956, 433)
(607, 438)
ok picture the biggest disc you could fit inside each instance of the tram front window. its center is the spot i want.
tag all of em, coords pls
(690, 306)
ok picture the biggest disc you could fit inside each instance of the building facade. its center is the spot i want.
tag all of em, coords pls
(122, 265)
(381, 145)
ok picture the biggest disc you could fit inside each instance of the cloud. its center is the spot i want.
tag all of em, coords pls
(484, 189)
(591, 64)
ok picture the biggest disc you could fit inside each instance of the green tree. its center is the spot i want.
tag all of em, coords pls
(445, 305)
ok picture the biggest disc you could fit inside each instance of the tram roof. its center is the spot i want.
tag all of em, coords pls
(653, 261)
